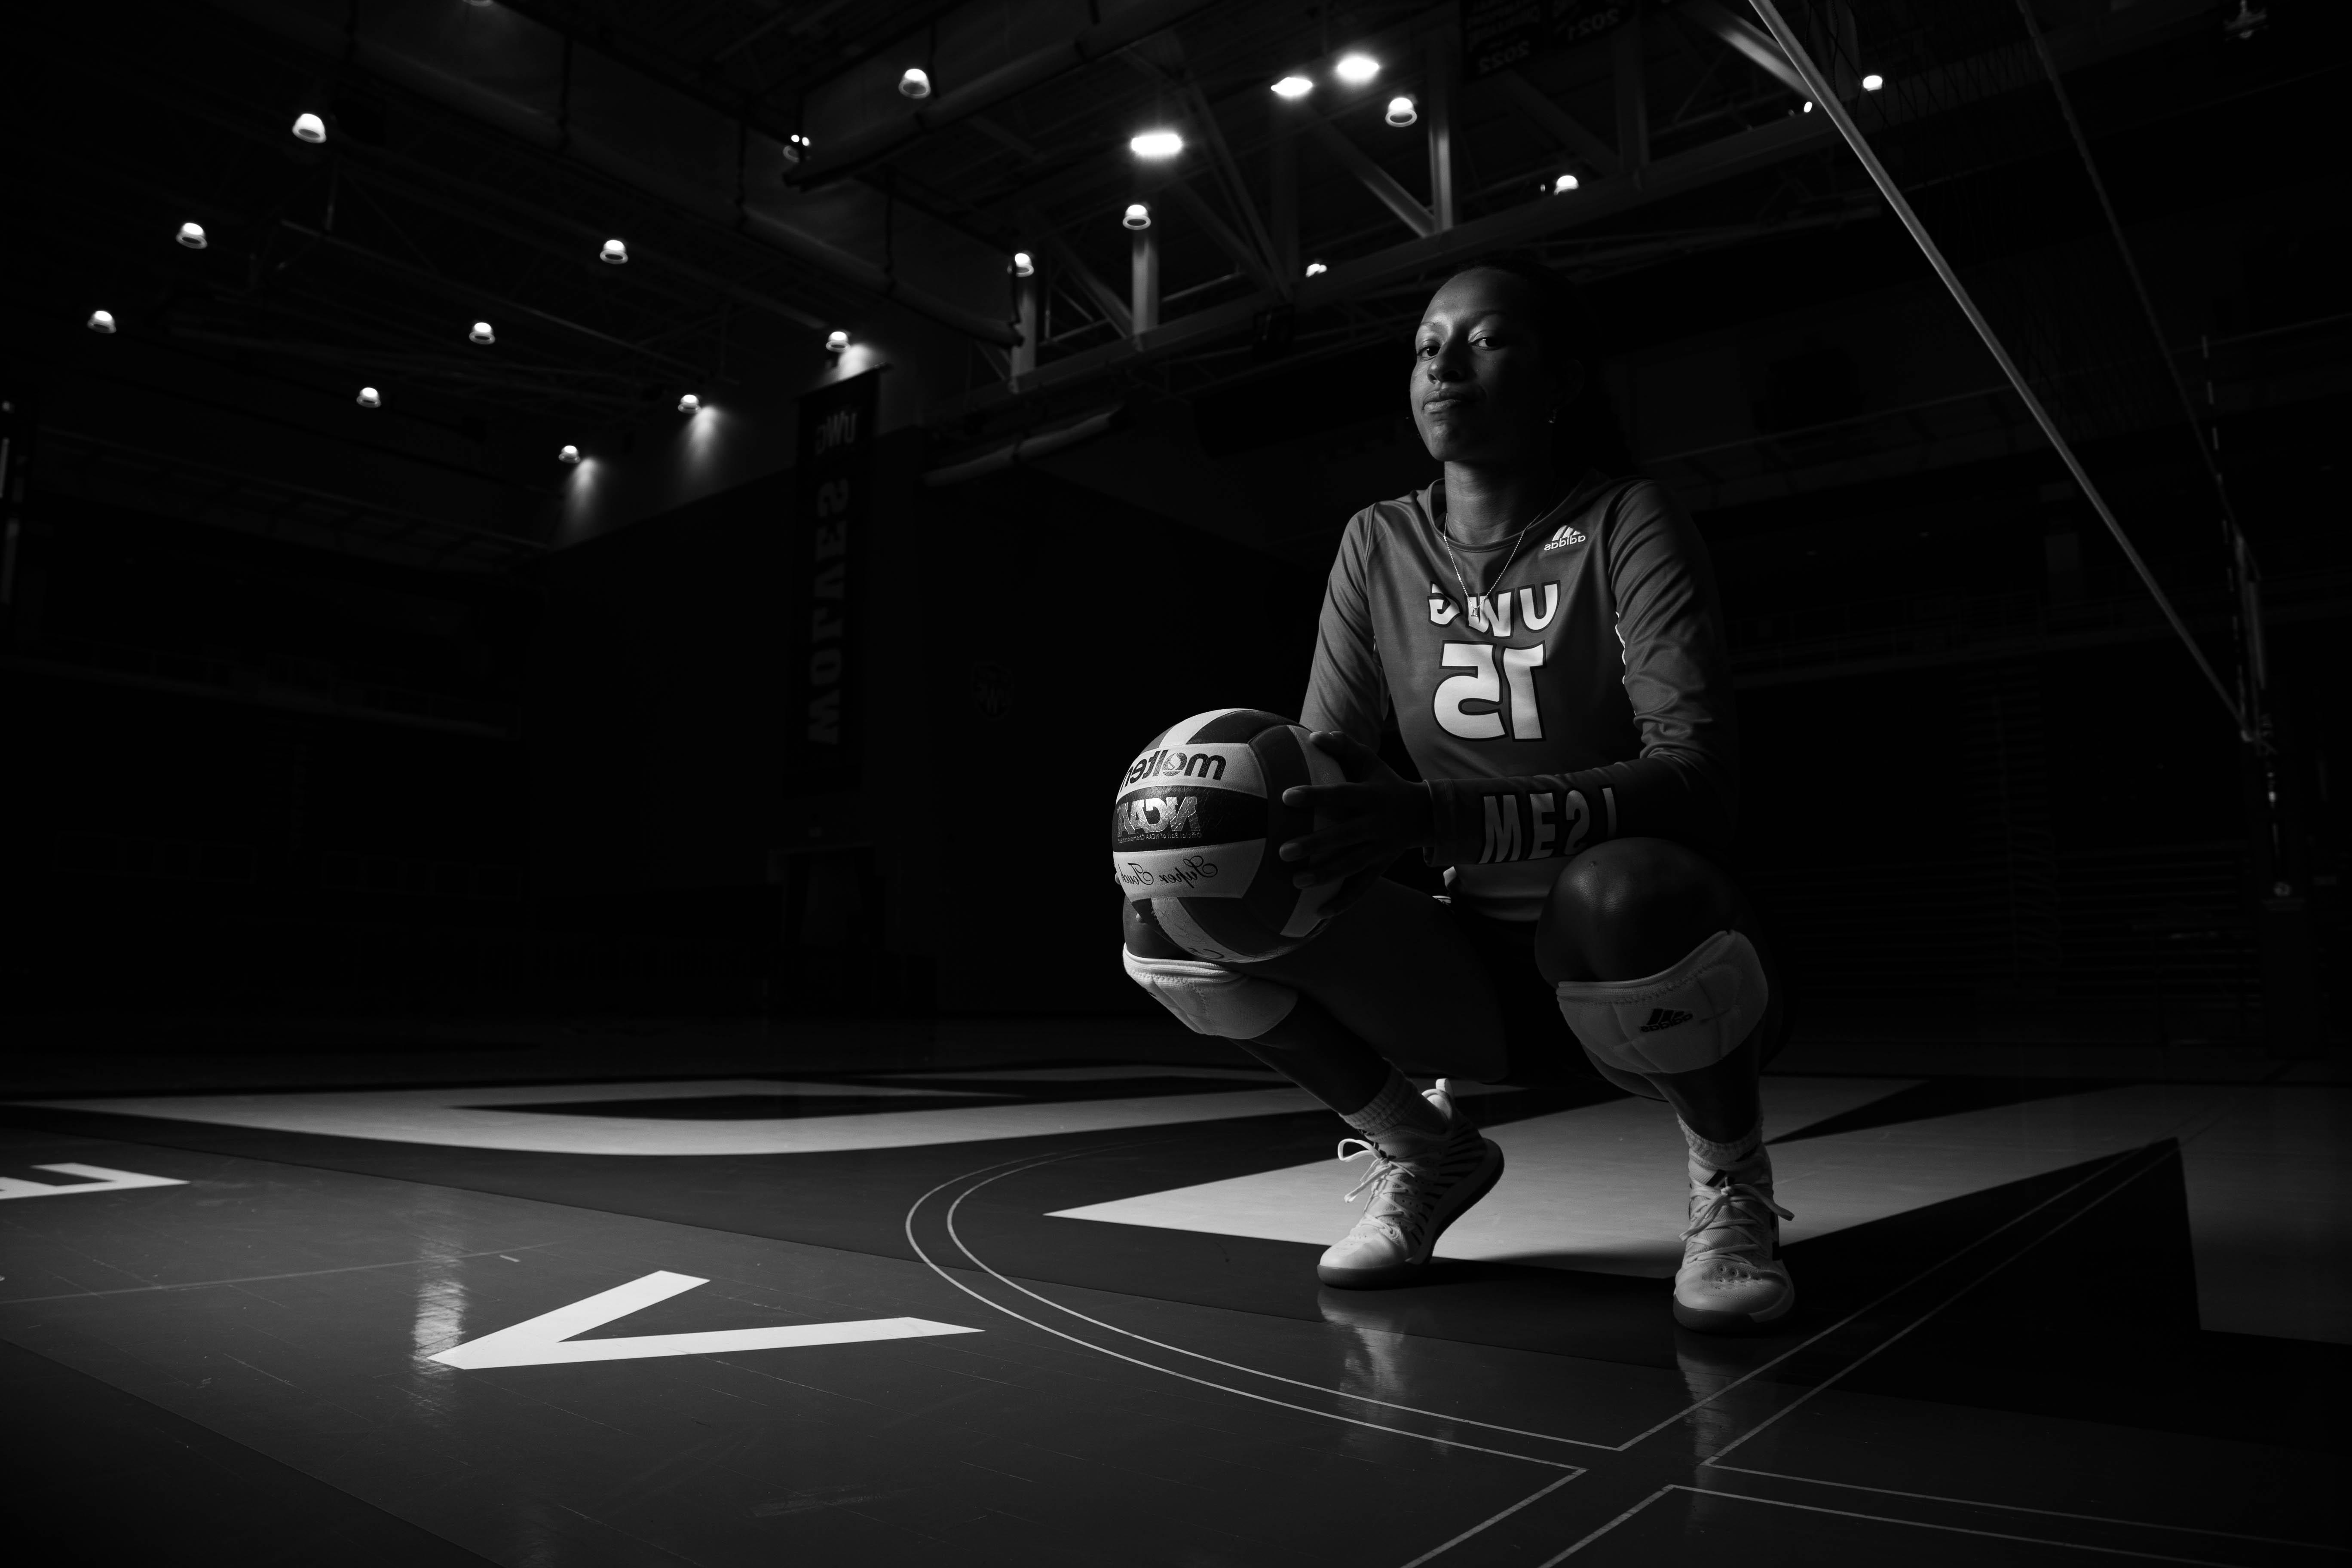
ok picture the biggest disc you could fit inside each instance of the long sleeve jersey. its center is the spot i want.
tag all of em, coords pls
(1575, 690)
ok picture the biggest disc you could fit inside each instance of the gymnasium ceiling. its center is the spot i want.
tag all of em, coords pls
(451, 187)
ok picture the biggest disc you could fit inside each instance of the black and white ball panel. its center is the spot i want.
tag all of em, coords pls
(1196, 826)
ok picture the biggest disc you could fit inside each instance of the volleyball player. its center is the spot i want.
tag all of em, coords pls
(1541, 622)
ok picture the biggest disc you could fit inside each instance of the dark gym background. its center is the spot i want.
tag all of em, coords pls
(320, 717)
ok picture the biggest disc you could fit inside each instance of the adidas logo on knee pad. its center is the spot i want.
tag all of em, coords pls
(1689, 1016)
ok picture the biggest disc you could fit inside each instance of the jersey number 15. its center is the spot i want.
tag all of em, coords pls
(1511, 687)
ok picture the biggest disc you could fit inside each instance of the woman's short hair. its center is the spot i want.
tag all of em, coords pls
(1587, 434)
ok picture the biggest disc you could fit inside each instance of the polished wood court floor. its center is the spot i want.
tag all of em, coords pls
(1043, 1294)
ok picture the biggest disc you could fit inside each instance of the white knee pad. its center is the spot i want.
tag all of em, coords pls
(1210, 999)
(1691, 1017)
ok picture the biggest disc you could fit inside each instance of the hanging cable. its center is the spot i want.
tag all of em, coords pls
(1827, 99)
(2131, 263)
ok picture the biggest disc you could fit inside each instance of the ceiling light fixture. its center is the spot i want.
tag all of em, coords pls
(569, 454)
(689, 404)
(1156, 145)
(370, 397)
(1565, 183)
(614, 252)
(916, 84)
(309, 127)
(1292, 86)
(192, 234)
(102, 322)
(837, 342)
(1357, 70)
(1315, 270)
(1024, 264)
(1809, 106)
(1137, 215)
(1872, 82)
(1401, 110)
(796, 147)
(482, 334)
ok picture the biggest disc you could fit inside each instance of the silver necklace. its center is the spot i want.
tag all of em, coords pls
(1455, 560)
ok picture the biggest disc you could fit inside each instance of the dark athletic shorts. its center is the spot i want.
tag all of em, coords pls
(1539, 1049)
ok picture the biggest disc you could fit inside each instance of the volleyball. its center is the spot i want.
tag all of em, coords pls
(1197, 828)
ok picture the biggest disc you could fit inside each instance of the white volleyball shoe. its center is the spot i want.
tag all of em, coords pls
(1732, 1280)
(1415, 1188)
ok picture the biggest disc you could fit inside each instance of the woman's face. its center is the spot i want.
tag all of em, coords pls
(1481, 392)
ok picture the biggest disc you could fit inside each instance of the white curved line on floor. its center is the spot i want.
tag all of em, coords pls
(1168, 1371)
(982, 1264)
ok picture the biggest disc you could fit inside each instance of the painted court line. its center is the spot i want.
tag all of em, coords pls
(1882, 1519)
(548, 1339)
(2152, 1160)
(2049, 1512)
(1536, 1496)
(99, 1180)
(1598, 1188)
(933, 1265)
(476, 1118)
(1930, 1313)
(1231, 1366)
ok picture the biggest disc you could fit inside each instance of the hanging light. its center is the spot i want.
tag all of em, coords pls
(614, 252)
(1564, 183)
(1872, 82)
(102, 322)
(192, 234)
(569, 454)
(1292, 86)
(837, 342)
(1401, 110)
(1315, 270)
(689, 404)
(915, 83)
(1023, 265)
(1137, 215)
(370, 397)
(482, 334)
(309, 127)
(1357, 70)
(1156, 145)
(796, 147)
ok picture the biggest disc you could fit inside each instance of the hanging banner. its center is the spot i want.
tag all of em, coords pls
(1500, 34)
(833, 497)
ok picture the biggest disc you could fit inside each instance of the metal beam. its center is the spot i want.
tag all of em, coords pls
(854, 151)
(1632, 96)
(1282, 186)
(1028, 448)
(1105, 298)
(1563, 127)
(1373, 178)
(1437, 113)
(1700, 166)
(1229, 171)
(1216, 228)
(1143, 246)
(1747, 38)
(618, 156)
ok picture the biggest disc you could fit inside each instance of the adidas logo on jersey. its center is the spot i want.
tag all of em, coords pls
(1664, 1018)
(1568, 535)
